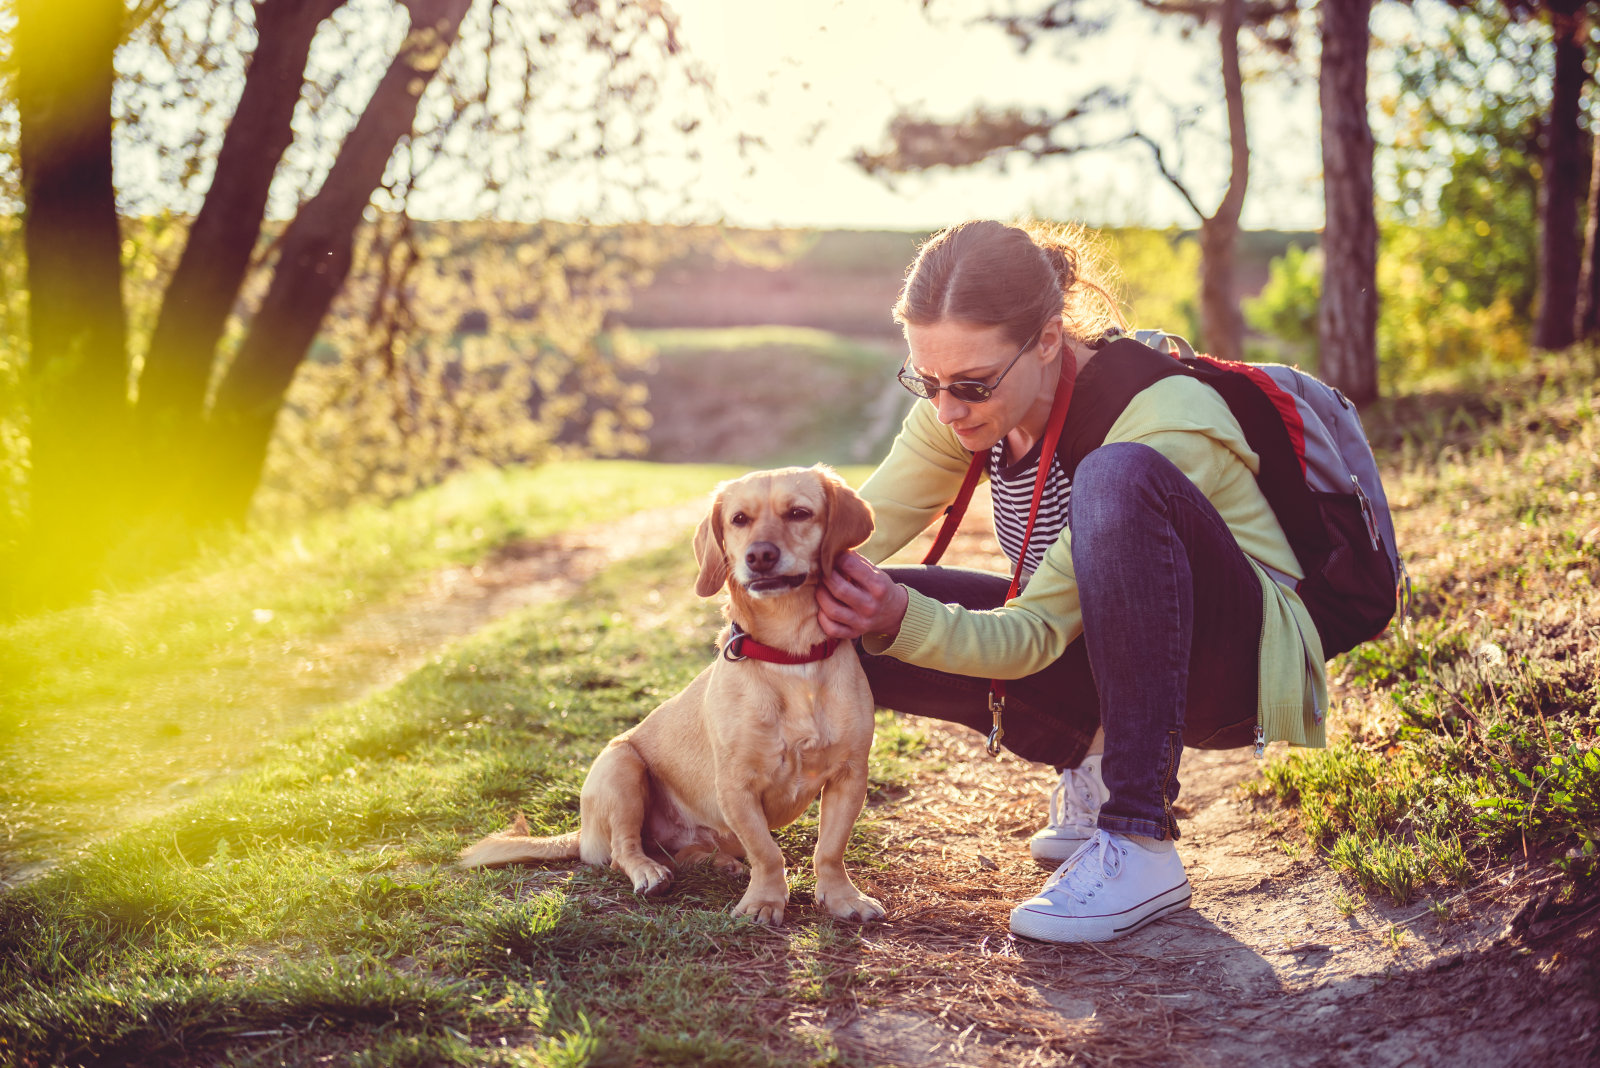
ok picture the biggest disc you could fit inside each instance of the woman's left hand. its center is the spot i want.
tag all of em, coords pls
(857, 598)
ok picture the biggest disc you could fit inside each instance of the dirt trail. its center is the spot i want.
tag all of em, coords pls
(369, 651)
(1265, 968)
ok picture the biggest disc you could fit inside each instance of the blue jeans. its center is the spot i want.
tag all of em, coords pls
(1169, 651)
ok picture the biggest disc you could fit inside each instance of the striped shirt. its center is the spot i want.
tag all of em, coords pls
(1011, 487)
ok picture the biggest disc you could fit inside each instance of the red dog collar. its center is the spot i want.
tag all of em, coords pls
(741, 645)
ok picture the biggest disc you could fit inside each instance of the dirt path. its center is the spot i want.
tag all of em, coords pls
(1266, 968)
(367, 652)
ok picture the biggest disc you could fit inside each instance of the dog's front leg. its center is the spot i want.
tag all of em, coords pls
(842, 799)
(768, 892)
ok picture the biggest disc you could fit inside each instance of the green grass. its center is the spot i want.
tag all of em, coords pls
(1472, 740)
(147, 695)
(309, 909)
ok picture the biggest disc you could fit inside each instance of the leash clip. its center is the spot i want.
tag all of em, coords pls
(997, 705)
(730, 651)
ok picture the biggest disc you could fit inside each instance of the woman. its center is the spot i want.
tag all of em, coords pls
(1148, 620)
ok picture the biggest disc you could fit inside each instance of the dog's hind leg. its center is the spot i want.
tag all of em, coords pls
(615, 799)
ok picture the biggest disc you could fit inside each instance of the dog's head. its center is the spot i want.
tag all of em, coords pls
(772, 532)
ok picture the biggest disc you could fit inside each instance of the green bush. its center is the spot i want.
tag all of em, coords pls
(1286, 308)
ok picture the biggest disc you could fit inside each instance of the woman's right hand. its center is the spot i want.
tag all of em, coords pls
(856, 598)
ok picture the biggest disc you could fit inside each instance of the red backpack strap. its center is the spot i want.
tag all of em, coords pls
(957, 509)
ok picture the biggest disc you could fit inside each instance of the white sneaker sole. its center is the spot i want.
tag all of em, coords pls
(1051, 927)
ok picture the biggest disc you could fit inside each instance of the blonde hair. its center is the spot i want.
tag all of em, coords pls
(1016, 277)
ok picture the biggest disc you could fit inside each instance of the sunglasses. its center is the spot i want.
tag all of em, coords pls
(968, 391)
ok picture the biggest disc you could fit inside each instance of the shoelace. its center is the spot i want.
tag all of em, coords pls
(1072, 801)
(1087, 870)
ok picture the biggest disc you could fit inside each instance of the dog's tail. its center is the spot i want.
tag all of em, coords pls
(515, 846)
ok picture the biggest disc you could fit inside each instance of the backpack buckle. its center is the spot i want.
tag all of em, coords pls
(1366, 513)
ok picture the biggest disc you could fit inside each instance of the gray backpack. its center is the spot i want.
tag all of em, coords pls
(1317, 472)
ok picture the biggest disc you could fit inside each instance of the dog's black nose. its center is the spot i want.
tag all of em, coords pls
(762, 556)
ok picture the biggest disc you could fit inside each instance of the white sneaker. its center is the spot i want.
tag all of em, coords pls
(1074, 805)
(1110, 887)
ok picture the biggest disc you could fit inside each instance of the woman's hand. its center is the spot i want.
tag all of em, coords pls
(857, 598)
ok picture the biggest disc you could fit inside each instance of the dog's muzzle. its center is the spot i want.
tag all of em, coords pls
(775, 583)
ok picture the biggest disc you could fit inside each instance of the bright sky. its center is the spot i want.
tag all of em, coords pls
(819, 79)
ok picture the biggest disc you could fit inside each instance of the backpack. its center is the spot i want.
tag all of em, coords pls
(1317, 471)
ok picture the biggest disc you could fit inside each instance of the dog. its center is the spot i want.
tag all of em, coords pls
(752, 741)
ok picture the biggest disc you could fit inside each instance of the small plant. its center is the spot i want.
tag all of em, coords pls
(1290, 849)
(1396, 937)
(1347, 903)
(1440, 910)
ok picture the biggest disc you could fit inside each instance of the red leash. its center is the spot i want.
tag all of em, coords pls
(958, 508)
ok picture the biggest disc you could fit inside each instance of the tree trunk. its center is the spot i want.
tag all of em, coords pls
(1221, 321)
(1560, 251)
(313, 262)
(1347, 319)
(77, 326)
(1586, 323)
(205, 285)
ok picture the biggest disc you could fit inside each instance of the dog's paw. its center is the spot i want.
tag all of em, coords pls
(851, 904)
(650, 878)
(762, 908)
(726, 864)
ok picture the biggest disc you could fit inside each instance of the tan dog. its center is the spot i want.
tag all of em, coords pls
(748, 745)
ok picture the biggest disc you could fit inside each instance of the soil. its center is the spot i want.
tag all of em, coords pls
(1277, 961)
(1265, 968)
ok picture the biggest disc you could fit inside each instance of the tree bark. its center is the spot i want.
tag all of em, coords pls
(1560, 251)
(1347, 318)
(1586, 323)
(314, 259)
(77, 326)
(1221, 320)
(205, 285)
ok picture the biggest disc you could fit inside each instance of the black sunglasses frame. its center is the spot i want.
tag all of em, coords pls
(968, 391)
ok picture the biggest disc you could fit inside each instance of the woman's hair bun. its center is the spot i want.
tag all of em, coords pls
(1064, 262)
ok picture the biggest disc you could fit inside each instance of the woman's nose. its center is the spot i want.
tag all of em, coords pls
(948, 407)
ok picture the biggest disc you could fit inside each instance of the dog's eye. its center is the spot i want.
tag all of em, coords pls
(799, 514)
(739, 519)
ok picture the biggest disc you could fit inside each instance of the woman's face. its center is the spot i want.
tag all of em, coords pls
(953, 351)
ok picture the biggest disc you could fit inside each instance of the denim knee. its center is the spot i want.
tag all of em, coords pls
(1112, 485)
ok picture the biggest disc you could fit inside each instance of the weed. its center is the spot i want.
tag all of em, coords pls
(1347, 903)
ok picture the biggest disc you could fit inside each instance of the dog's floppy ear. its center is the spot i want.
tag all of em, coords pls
(708, 552)
(849, 518)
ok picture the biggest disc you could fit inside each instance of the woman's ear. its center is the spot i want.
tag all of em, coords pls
(849, 518)
(708, 552)
(1051, 338)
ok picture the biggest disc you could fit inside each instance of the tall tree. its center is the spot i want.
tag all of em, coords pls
(246, 297)
(77, 325)
(1560, 246)
(1586, 318)
(918, 143)
(1347, 318)
(1564, 164)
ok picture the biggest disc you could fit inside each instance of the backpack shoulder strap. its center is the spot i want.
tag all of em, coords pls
(1124, 368)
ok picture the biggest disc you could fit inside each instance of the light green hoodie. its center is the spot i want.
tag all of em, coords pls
(1188, 423)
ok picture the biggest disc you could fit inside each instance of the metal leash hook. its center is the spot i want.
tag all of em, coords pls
(997, 705)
